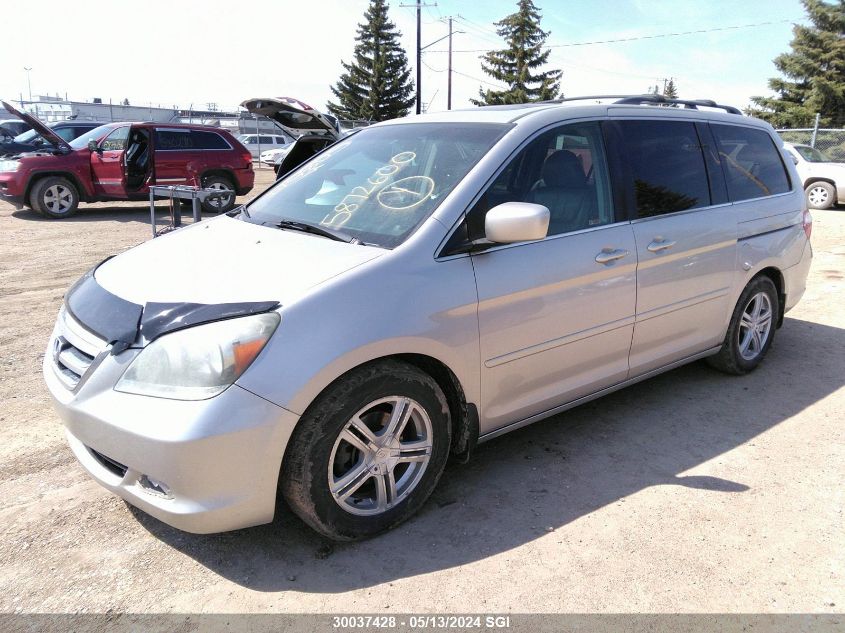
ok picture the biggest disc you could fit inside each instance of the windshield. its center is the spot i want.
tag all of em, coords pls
(27, 137)
(380, 184)
(81, 142)
(811, 155)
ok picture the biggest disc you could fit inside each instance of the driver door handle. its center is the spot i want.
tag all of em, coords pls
(609, 255)
(659, 244)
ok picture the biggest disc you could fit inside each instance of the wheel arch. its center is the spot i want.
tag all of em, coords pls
(463, 415)
(84, 195)
(777, 279)
(219, 171)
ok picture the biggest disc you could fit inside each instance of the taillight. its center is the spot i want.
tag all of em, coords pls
(248, 158)
(808, 223)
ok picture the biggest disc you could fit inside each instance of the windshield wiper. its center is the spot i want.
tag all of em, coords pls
(322, 231)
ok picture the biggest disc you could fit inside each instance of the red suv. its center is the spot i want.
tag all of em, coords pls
(119, 161)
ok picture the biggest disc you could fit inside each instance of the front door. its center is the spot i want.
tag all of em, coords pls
(555, 316)
(107, 165)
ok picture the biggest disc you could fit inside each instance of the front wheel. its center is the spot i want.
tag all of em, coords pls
(54, 197)
(751, 330)
(820, 195)
(369, 452)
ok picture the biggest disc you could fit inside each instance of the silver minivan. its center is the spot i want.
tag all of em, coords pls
(416, 288)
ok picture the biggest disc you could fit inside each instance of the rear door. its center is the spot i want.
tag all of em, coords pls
(175, 156)
(686, 239)
(107, 167)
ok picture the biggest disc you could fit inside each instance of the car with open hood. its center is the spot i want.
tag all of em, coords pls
(120, 161)
(31, 140)
(416, 288)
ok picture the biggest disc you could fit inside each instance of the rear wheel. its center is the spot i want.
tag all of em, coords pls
(368, 453)
(751, 330)
(820, 195)
(54, 197)
(218, 205)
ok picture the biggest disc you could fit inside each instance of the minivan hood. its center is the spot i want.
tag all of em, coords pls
(293, 115)
(46, 133)
(227, 260)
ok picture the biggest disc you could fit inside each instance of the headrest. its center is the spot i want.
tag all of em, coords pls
(563, 169)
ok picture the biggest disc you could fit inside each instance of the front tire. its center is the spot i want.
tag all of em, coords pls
(54, 197)
(369, 452)
(752, 329)
(820, 195)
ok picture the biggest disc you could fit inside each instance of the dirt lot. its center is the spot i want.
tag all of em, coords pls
(691, 492)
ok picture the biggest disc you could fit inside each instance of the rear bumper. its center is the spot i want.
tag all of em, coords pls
(795, 278)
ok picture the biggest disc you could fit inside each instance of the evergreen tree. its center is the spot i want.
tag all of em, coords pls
(377, 83)
(518, 64)
(670, 91)
(814, 71)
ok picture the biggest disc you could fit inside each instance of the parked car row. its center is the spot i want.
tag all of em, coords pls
(120, 161)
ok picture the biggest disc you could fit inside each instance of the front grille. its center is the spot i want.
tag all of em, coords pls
(116, 468)
(73, 350)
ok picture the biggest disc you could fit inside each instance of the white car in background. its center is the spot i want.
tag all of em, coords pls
(823, 179)
(273, 156)
(258, 143)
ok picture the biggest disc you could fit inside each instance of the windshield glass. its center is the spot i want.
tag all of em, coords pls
(27, 137)
(811, 154)
(81, 142)
(380, 184)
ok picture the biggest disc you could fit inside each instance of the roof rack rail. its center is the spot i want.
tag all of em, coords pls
(657, 99)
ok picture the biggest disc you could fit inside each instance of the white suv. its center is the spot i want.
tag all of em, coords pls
(823, 179)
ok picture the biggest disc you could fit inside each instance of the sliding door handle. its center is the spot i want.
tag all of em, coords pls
(659, 244)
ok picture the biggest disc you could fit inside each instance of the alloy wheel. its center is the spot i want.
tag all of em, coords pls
(755, 326)
(380, 455)
(818, 196)
(58, 199)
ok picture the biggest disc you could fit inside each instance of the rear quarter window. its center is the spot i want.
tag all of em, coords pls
(208, 140)
(751, 161)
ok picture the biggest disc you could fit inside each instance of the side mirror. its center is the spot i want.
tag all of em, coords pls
(516, 222)
(794, 158)
(92, 145)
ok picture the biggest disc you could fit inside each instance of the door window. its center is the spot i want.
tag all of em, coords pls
(666, 166)
(116, 141)
(208, 140)
(565, 170)
(752, 163)
(173, 139)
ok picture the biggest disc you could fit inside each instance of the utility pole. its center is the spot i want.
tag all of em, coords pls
(419, 5)
(28, 82)
(449, 74)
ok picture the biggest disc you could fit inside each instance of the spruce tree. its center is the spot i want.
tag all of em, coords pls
(670, 91)
(518, 64)
(377, 83)
(814, 71)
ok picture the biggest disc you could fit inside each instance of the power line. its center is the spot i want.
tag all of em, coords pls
(637, 38)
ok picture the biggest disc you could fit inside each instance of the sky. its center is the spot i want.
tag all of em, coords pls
(193, 52)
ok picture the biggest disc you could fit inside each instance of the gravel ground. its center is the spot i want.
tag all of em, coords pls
(691, 492)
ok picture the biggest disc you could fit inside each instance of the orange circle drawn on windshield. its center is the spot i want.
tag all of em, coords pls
(406, 193)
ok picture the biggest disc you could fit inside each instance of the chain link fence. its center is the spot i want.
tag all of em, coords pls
(830, 142)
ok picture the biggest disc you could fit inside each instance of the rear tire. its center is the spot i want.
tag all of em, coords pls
(752, 329)
(54, 197)
(820, 195)
(220, 183)
(346, 474)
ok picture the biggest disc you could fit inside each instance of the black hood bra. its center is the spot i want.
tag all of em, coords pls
(119, 321)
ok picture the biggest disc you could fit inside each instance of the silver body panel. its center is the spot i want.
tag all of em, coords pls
(528, 329)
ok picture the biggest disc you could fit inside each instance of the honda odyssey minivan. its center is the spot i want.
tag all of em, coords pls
(419, 287)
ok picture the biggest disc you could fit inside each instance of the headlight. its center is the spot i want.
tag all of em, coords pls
(198, 362)
(9, 165)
